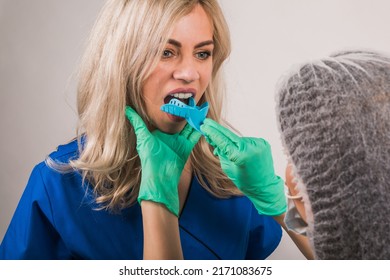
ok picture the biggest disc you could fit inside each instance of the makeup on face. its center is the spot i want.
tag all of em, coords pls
(184, 70)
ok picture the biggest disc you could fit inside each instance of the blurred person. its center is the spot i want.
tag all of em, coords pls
(333, 116)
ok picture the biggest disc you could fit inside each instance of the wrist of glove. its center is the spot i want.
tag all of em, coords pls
(160, 188)
(271, 200)
(248, 163)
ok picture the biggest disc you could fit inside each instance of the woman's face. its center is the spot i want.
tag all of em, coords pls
(184, 69)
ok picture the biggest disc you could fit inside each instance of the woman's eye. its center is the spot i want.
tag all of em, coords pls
(167, 53)
(203, 55)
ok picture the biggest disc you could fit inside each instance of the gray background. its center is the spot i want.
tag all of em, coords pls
(41, 42)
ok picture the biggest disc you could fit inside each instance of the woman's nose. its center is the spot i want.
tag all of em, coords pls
(186, 71)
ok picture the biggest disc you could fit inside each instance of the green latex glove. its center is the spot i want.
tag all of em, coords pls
(248, 163)
(163, 157)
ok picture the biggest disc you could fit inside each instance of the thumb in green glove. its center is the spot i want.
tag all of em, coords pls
(163, 157)
(248, 163)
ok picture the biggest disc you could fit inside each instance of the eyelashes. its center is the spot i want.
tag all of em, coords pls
(204, 55)
(201, 55)
(167, 54)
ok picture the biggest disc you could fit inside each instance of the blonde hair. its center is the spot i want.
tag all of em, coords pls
(125, 46)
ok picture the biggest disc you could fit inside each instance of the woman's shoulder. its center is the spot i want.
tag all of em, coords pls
(56, 165)
(54, 174)
(65, 152)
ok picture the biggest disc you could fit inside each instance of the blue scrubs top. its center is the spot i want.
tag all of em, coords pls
(57, 219)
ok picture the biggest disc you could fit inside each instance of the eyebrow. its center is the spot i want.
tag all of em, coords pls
(199, 45)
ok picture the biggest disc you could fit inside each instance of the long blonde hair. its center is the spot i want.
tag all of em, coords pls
(125, 46)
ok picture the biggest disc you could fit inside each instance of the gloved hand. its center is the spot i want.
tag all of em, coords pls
(248, 163)
(163, 157)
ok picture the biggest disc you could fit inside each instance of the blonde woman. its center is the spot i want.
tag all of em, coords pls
(140, 183)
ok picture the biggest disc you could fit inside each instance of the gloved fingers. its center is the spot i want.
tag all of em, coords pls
(187, 130)
(216, 126)
(191, 134)
(177, 143)
(169, 139)
(140, 128)
(174, 143)
(223, 145)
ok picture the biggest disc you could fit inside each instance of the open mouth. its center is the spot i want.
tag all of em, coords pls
(178, 111)
(182, 96)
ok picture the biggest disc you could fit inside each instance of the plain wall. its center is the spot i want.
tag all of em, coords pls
(41, 42)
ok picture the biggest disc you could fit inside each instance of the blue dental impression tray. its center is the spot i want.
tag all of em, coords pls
(194, 115)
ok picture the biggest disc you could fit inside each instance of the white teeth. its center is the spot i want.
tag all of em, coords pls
(182, 95)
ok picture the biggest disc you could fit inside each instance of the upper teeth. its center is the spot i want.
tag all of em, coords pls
(182, 95)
